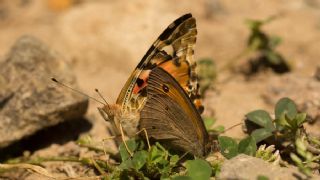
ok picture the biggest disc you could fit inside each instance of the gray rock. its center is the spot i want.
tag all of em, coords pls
(29, 100)
(248, 167)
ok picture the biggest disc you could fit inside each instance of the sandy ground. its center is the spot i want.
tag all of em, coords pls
(103, 40)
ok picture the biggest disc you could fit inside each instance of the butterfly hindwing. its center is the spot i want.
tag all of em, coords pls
(170, 117)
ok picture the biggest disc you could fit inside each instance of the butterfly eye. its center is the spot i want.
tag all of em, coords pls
(165, 88)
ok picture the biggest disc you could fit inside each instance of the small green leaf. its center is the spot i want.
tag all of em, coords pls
(164, 162)
(84, 140)
(155, 154)
(282, 122)
(300, 119)
(261, 134)
(292, 123)
(182, 178)
(132, 145)
(285, 106)
(261, 118)
(262, 177)
(228, 147)
(300, 145)
(248, 146)
(218, 129)
(198, 169)
(274, 58)
(208, 122)
(127, 164)
(174, 159)
(296, 159)
(254, 24)
(139, 159)
(165, 171)
(275, 41)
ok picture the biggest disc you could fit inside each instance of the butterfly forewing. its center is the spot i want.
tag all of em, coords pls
(180, 38)
(170, 117)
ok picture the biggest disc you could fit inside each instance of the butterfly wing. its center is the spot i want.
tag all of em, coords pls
(173, 51)
(170, 117)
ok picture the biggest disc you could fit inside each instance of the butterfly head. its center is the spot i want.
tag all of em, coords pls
(111, 113)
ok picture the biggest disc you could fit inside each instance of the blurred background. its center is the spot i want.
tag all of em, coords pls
(103, 41)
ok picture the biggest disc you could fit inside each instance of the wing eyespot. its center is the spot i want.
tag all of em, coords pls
(165, 88)
(140, 82)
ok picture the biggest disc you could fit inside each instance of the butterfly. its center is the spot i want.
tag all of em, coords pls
(168, 61)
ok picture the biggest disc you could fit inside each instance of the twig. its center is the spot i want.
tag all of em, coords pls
(114, 155)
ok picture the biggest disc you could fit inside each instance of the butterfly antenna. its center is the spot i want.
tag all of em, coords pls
(75, 90)
(233, 126)
(97, 91)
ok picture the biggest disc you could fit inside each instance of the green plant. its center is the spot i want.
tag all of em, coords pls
(264, 46)
(260, 51)
(229, 147)
(157, 163)
(304, 159)
(268, 153)
(196, 169)
(214, 130)
(285, 127)
(287, 133)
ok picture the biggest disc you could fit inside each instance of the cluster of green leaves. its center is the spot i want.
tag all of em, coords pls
(265, 45)
(229, 147)
(157, 163)
(303, 158)
(286, 132)
(285, 127)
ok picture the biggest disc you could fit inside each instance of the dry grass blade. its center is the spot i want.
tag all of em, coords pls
(34, 168)
(41, 171)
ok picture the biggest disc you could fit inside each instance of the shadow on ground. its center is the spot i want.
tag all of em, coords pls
(59, 134)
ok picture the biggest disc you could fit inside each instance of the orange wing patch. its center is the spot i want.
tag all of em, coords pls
(141, 81)
(180, 72)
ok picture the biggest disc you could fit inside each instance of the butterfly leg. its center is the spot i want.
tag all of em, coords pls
(146, 134)
(103, 144)
(124, 141)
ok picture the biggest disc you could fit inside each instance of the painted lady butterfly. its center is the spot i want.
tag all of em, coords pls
(162, 94)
